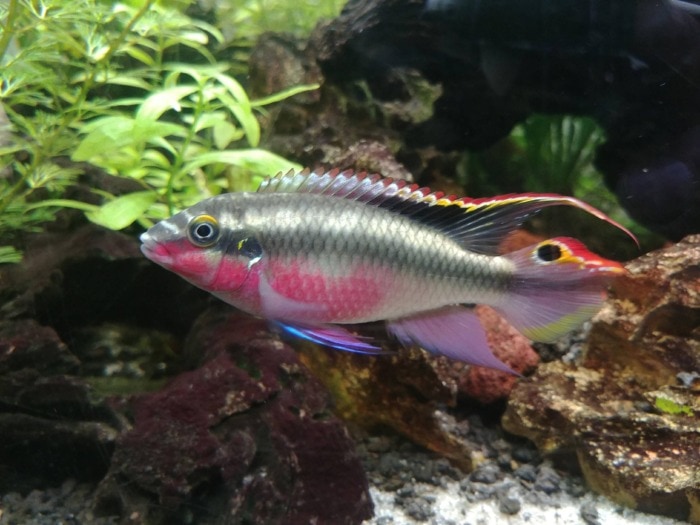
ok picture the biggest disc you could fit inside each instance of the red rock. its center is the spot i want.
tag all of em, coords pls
(247, 435)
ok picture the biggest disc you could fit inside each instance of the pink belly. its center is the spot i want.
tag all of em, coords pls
(355, 296)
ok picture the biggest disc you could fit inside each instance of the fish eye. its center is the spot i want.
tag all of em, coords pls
(548, 252)
(203, 231)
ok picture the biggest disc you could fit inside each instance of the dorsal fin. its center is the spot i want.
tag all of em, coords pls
(477, 224)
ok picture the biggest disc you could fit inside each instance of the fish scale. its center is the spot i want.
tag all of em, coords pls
(314, 251)
(388, 241)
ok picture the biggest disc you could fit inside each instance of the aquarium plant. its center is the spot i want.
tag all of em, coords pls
(134, 88)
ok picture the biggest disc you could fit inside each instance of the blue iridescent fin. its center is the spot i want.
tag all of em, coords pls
(479, 225)
(453, 331)
(330, 335)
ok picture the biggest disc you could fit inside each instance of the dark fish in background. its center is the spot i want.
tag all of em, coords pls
(633, 65)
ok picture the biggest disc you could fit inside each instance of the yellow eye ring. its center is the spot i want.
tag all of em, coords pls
(203, 231)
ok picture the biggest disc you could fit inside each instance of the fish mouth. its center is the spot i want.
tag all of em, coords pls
(605, 266)
(154, 250)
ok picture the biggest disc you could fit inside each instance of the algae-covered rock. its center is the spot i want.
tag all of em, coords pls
(630, 411)
(247, 435)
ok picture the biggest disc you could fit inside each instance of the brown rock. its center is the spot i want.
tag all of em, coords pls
(404, 391)
(631, 412)
(401, 391)
(652, 324)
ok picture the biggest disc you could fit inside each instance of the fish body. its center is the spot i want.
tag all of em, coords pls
(314, 251)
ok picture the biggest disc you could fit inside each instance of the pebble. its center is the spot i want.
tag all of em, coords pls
(547, 480)
(388, 464)
(687, 379)
(576, 488)
(444, 468)
(526, 473)
(525, 454)
(509, 505)
(504, 461)
(424, 472)
(406, 492)
(487, 473)
(589, 513)
(420, 509)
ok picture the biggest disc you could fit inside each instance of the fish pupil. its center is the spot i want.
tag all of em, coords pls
(204, 231)
(549, 252)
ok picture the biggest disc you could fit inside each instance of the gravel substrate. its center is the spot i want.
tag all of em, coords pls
(69, 504)
(511, 485)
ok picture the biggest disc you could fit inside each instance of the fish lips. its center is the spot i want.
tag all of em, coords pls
(155, 251)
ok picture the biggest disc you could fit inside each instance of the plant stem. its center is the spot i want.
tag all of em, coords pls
(113, 47)
(7, 30)
(176, 171)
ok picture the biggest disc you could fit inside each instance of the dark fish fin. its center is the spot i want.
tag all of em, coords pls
(330, 335)
(479, 225)
(551, 297)
(453, 331)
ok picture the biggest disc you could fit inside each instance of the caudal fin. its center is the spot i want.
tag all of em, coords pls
(558, 285)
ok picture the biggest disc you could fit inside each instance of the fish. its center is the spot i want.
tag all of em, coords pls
(312, 252)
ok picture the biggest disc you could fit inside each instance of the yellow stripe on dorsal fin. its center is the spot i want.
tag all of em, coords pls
(479, 225)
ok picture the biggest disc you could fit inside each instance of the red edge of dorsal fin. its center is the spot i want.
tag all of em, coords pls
(478, 224)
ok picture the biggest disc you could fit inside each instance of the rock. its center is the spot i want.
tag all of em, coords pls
(401, 391)
(526, 473)
(547, 480)
(589, 513)
(25, 344)
(374, 157)
(630, 412)
(650, 326)
(52, 427)
(88, 276)
(404, 391)
(247, 435)
(486, 473)
(51, 430)
(509, 505)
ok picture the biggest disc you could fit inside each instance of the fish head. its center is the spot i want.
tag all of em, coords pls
(566, 252)
(207, 244)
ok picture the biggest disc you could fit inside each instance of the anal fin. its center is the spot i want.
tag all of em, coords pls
(453, 331)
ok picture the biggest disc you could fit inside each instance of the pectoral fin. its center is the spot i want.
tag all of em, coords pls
(453, 331)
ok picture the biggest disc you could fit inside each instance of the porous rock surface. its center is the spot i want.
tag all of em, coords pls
(247, 435)
(631, 410)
